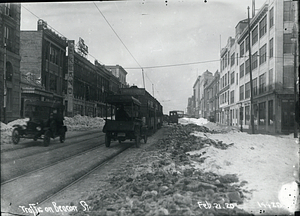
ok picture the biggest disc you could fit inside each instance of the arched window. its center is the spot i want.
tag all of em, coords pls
(9, 71)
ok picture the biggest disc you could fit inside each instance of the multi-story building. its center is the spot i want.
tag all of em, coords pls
(211, 95)
(55, 69)
(43, 65)
(272, 68)
(228, 82)
(119, 72)
(191, 107)
(198, 93)
(10, 61)
(196, 96)
(204, 81)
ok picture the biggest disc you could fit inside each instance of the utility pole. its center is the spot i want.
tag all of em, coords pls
(153, 89)
(143, 78)
(4, 83)
(250, 68)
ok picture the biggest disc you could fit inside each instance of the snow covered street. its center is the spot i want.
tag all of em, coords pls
(266, 167)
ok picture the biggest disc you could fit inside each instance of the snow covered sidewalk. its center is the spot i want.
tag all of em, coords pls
(269, 165)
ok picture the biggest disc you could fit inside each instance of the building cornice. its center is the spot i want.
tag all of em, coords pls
(253, 22)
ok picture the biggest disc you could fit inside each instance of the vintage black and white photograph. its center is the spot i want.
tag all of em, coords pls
(150, 108)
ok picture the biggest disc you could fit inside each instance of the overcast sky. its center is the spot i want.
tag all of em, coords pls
(174, 41)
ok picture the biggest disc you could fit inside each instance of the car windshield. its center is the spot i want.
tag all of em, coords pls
(37, 112)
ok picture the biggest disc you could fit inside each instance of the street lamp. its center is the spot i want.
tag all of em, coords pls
(294, 39)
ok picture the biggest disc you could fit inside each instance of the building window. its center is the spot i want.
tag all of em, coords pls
(288, 11)
(263, 27)
(226, 79)
(270, 113)
(287, 43)
(247, 90)
(262, 83)
(232, 78)
(254, 35)
(242, 70)
(263, 54)
(288, 76)
(271, 48)
(242, 92)
(228, 59)
(254, 82)
(242, 49)
(271, 14)
(262, 113)
(8, 9)
(271, 79)
(232, 97)
(237, 78)
(232, 59)
(254, 60)
(9, 99)
(53, 83)
(247, 43)
(247, 66)
(9, 71)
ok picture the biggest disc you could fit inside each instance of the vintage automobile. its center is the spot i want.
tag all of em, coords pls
(45, 122)
(173, 117)
(126, 122)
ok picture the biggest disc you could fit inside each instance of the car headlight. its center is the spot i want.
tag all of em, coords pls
(38, 128)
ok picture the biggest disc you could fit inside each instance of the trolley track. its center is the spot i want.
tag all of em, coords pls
(26, 172)
(30, 143)
(19, 153)
(103, 163)
(41, 184)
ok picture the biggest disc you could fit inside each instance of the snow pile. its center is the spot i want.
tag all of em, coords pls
(213, 127)
(268, 163)
(79, 122)
(75, 123)
(200, 121)
(161, 180)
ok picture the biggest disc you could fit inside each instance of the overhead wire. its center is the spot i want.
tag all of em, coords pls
(118, 36)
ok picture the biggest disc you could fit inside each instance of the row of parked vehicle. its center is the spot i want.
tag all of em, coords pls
(133, 114)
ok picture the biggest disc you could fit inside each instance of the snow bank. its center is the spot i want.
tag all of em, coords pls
(75, 123)
(185, 121)
(268, 163)
(214, 127)
(79, 122)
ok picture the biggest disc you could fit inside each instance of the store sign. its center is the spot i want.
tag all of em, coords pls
(70, 74)
(82, 48)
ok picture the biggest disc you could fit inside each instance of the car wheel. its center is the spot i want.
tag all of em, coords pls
(137, 141)
(15, 136)
(107, 140)
(47, 137)
(145, 139)
(62, 137)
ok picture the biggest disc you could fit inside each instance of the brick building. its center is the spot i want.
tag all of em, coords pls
(43, 65)
(10, 61)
